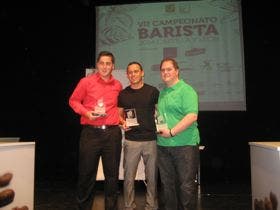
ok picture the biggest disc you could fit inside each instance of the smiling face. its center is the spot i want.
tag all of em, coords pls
(169, 72)
(105, 66)
(135, 75)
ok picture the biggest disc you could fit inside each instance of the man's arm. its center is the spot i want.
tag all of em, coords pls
(122, 119)
(183, 124)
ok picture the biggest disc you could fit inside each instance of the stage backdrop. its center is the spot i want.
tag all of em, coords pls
(205, 37)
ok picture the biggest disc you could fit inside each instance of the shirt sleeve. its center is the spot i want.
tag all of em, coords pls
(190, 101)
(156, 95)
(77, 97)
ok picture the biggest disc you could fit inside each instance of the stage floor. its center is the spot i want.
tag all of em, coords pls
(59, 194)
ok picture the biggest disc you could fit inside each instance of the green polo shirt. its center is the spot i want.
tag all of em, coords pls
(174, 104)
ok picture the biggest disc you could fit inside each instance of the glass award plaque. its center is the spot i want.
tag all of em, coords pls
(99, 109)
(131, 117)
(160, 123)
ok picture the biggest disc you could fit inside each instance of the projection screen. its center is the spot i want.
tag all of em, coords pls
(205, 37)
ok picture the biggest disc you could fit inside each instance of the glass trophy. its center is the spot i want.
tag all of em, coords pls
(99, 109)
(131, 117)
(160, 123)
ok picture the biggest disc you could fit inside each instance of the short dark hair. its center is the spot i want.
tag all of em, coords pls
(173, 61)
(106, 53)
(135, 62)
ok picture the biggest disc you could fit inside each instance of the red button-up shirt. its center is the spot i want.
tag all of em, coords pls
(86, 94)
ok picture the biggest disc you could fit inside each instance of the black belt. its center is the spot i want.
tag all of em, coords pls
(102, 127)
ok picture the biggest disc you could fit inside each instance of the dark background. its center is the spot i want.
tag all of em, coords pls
(45, 48)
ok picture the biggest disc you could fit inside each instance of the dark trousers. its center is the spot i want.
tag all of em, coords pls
(96, 143)
(178, 167)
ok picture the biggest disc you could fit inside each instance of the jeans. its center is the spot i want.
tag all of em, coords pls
(96, 143)
(178, 168)
(133, 151)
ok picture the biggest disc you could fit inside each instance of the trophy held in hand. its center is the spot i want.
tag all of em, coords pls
(131, 117)
(160, 122)
(99, 109)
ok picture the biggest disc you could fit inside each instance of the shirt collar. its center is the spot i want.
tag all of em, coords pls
(111, 79)
(175, 85)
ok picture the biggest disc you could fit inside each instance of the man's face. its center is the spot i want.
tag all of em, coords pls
(168, 73)
(105, 66)
(135, 74)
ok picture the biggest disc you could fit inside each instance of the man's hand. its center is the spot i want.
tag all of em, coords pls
(91, 115)
(7, 195)
(124, 126)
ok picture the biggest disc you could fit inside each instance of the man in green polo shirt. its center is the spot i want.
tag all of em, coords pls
(178, 150)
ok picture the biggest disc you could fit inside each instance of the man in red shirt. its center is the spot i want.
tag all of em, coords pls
(95, 100)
